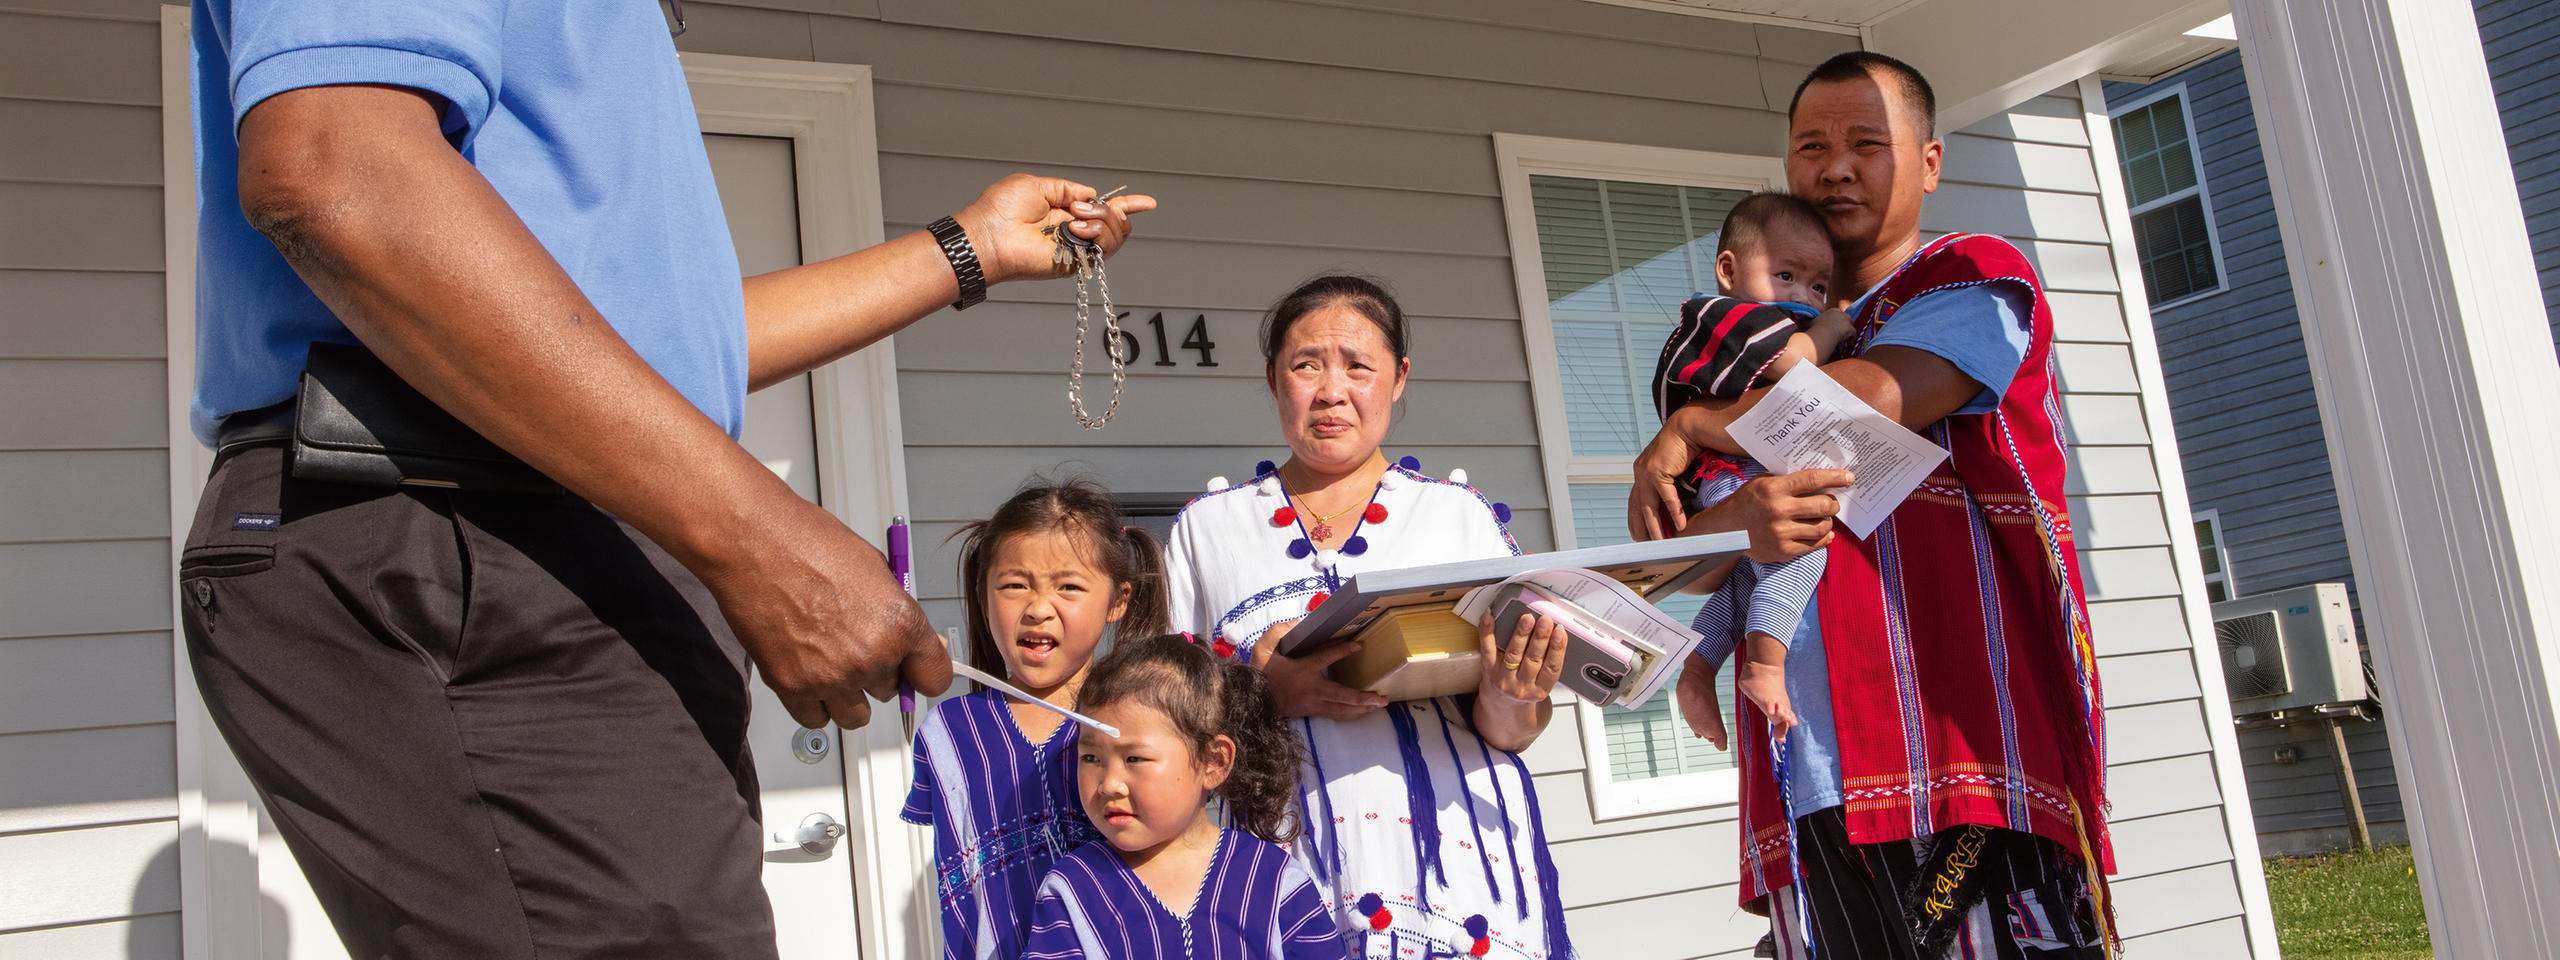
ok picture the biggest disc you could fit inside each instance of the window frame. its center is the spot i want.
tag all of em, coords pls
(1517, 157)
(2201, 191)
(2221, 555)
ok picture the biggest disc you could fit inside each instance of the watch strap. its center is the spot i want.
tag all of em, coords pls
(964, 262)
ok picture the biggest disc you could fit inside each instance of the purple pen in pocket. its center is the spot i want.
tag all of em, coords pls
(902, 564)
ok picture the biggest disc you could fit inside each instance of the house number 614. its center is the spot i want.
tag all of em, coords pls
(1197, 340)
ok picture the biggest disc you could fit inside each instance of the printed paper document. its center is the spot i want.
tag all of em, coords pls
(1809, 421)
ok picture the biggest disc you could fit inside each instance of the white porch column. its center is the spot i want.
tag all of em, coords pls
(2440, 397)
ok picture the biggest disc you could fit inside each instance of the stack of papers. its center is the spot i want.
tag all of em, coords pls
(1622, 649)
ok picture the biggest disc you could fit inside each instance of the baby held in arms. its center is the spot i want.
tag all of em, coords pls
(1773, 264)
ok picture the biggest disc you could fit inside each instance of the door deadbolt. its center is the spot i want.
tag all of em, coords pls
(809, 744)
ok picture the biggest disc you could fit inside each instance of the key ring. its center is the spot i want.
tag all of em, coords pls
(1085, 256)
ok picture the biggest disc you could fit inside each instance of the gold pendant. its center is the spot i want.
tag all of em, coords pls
(1322, 532)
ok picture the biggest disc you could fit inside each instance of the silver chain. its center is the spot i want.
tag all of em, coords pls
(1086, 257)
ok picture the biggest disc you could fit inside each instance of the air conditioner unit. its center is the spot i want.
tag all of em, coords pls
(2290, 648)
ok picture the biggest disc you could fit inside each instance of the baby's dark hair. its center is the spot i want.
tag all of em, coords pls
(1086, 511)
(1206, 696)
(1749, 220)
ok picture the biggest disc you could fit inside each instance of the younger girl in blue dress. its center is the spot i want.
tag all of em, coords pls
(995, 779)
(1166, 881)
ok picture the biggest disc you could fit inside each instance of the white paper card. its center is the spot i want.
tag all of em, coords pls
(1809, 421)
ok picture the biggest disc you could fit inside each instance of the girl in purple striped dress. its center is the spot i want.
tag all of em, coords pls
(1166, 881)
(995, 779)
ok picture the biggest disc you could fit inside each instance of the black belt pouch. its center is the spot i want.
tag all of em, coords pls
(356, 422)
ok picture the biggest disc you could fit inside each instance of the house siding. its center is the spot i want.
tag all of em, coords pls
(2029, 175)
(2248, 422)
(1285, 139)
(88, 772)
(2517, 36)
(2249, 432)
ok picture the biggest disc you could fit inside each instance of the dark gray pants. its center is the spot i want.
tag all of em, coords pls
(487, 726)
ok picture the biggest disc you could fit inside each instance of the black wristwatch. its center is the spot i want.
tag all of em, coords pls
(964, 262)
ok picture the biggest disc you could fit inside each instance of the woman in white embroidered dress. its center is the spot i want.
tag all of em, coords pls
(1422, 824)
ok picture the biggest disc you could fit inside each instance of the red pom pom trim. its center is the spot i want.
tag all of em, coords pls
(1317, 601)
(1284, 516)
(1377, 513)
(1381, 919)
(1482, 947)
(1223, 649)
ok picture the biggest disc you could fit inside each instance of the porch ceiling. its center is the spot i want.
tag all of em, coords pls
(1985, 56)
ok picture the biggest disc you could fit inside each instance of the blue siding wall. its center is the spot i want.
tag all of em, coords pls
(2519, 36)
(2240, 387)
(2249, 430)
(2239, 378)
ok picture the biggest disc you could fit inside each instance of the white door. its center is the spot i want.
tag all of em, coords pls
(792, 149)
(811, 887)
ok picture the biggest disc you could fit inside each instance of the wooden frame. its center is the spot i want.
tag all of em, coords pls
(1517, 157)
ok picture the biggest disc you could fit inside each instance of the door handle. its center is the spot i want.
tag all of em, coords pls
(813, 840)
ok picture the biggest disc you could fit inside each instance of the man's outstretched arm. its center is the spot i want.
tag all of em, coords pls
(426, 263)
(802, 317)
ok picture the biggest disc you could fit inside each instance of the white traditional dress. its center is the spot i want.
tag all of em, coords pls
(1425, 841)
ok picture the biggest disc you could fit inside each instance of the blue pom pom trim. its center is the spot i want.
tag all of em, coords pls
(1263, 468)
(1299, 548)
(1409, 463)
(1502, 512)
(1355, 546)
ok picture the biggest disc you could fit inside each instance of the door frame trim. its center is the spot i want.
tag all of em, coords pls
(825, 109)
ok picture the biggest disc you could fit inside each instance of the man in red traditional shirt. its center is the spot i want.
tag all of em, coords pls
(1945, 780)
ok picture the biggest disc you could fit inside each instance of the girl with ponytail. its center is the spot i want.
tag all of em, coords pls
(1167, 881)
(996, 780)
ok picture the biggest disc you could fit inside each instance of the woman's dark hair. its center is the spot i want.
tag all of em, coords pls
(1207, 697)
(1368, 297)
(1086, 512)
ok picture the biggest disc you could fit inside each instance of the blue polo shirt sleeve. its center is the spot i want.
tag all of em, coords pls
(447, 48)
(1983, 329)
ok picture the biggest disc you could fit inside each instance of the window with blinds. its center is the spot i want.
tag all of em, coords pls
(2172, 216)
(1620, 257)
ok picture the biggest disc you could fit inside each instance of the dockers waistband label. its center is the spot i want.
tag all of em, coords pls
(257, 521)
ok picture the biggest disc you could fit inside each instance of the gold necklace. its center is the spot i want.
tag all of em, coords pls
(1321, 526)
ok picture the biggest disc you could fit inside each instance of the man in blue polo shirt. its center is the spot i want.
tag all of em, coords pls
(502, 724)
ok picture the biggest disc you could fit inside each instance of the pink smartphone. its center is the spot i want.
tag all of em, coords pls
(1595, 665)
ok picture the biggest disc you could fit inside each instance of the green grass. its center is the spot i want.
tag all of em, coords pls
(2349, 906)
